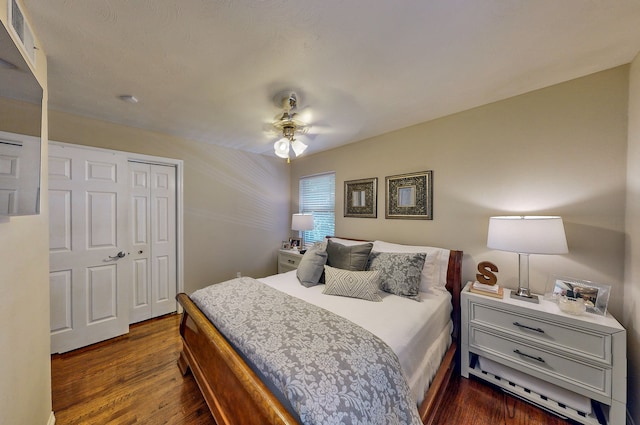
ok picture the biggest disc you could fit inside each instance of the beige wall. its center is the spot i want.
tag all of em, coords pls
(19, 117)
(236, 204)
(25, 367)
(560, 150)
(632, 267)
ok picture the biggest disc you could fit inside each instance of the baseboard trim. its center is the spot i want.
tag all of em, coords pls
(52, 419)
(629, 418)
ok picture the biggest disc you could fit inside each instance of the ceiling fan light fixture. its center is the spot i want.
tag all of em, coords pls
(281, 148)
(298, 147)
(288, 125)
(289, 132)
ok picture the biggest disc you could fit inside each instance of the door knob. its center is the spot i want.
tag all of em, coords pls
(121, 254)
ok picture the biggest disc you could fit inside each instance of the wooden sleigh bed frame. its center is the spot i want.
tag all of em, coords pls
(235, 394)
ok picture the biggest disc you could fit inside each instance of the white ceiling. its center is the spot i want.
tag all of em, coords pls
(208, 70)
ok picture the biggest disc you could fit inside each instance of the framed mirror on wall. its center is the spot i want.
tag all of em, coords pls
(360, 198)
(410, 196)
(20, 132)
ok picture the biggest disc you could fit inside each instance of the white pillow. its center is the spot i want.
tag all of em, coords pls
(434, 271)
(347, 242)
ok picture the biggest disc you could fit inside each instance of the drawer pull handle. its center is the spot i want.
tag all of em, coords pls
(290, 261)
(520, 325)
(540, 359)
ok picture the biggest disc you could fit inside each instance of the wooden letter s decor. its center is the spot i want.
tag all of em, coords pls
(486, 276)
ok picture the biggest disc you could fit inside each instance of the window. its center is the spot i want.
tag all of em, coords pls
(318, 196)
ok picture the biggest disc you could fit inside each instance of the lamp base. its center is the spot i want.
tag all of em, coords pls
(523, 294)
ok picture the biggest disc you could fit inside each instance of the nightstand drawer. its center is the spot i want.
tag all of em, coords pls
(557, 336)
(288, 260)
(554, 366)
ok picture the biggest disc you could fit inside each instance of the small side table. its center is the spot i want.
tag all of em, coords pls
(584, 354)
(288, 259)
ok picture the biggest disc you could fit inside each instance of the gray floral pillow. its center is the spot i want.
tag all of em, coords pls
(400, 273)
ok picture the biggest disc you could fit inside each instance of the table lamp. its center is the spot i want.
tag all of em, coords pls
(302, 222)
(527, 235)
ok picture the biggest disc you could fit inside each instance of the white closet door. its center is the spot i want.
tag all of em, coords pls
(163, 236)
(153, 218)
(89, 265)
(140, 210)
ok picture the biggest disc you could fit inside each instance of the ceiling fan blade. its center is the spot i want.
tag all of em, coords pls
(304, 114)
(319, 128)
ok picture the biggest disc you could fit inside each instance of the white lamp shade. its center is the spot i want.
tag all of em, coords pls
(298, 147)
(281, 148)
(527, 234)
(302, 222)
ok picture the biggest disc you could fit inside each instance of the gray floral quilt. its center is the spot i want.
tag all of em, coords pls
(331, 370)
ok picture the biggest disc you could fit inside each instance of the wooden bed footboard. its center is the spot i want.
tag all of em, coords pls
(233, 392)
(236, 395)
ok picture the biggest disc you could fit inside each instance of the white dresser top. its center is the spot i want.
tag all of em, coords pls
(550, 310)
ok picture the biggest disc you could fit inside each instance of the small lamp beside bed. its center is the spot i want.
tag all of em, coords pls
(302, 222)
(527, 235)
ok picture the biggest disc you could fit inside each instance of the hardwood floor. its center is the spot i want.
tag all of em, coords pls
(472, 402)
(134, 379)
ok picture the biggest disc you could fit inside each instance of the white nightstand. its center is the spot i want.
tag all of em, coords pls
(585, 354)
(288, 260)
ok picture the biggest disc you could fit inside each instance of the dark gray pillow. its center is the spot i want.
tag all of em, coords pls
(311, 266)
(353, 257)
(400, 273)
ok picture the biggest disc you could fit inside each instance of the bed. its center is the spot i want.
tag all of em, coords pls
(238, 394)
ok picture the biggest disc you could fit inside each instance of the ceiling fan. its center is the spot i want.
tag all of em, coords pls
(288, 125)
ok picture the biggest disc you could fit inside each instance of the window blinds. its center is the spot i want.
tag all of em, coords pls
(318, 197)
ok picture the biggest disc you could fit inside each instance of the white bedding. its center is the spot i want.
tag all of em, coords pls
(418, 332)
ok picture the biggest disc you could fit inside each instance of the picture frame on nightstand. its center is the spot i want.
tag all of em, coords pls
(295, 243)
(594, 295)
